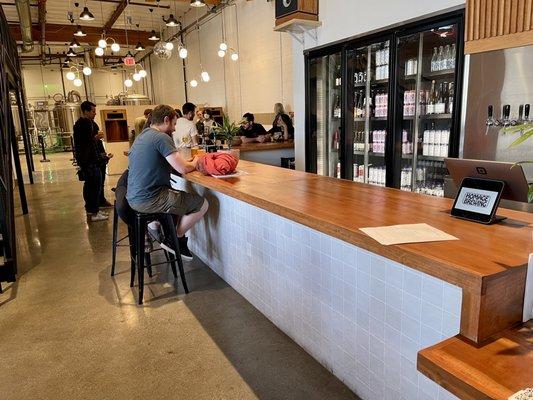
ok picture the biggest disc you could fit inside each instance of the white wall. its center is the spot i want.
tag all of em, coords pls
(261, 77)
(345, 18)
(43, 81)
(167, 78)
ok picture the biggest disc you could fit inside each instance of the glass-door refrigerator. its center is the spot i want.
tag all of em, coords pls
(367, 111)
(427, 116)
(385, 109)
(324, 111)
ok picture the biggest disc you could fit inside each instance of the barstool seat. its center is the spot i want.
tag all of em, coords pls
(137, 225)
(169, 230)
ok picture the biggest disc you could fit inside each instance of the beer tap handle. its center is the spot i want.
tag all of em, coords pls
(526, 112)
(506, 112)
(520, 113)
(490, 111)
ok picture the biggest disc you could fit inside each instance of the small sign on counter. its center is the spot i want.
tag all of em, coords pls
(407, 233)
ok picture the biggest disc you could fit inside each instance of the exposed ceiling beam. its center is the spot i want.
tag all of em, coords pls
(116, 13)
(133, 3)
(64, 33)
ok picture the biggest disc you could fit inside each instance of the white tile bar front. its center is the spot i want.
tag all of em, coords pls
(362, 316)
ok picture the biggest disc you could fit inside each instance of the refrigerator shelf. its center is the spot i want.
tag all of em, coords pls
(358, 153)
(436, 116)
(381, 82)
(372, 154)
(378, 118)
(430, 158)
(359, 119)
(438, 74)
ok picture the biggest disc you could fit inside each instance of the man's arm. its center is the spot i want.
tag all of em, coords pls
(180, 164)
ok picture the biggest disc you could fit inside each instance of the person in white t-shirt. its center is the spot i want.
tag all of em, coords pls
(185, 134)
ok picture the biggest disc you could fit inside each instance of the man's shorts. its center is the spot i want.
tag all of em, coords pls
(172, 201)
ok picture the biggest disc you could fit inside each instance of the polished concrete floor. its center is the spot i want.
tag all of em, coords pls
(68, 330)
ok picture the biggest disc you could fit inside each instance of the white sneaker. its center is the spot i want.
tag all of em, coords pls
(99, 217)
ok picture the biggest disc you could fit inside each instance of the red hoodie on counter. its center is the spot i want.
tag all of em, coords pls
(217, 164)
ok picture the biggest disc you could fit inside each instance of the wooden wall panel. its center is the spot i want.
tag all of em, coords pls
(498, 24)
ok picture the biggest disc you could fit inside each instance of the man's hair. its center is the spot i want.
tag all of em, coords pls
(87, 106)
(161, 112)
(147, 112)
(187, 108)
(249, 117)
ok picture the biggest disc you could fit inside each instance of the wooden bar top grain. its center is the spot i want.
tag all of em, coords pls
(485, 256)
(256, 146)
(497, 370)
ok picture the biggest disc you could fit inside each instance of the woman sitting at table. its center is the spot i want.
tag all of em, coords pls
(282, 128)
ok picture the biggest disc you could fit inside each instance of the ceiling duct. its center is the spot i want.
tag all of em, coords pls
(23, 10)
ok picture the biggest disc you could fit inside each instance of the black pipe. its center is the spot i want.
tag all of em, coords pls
(62, 80)
(41, 142)
(18, 169)
(25, 132)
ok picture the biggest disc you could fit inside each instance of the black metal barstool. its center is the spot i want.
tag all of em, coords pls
(169, 230)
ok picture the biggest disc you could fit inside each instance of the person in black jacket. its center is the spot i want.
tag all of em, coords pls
(89, 159)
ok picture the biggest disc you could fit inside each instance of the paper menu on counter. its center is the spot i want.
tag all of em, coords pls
(407, 233)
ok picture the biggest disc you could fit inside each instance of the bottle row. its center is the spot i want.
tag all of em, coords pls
(443, 58)
(411, 66)
(437, 100)
(382, 56)
(382, 72)
(375, 175)
(407, 145)
(436, 143)
(376, 141)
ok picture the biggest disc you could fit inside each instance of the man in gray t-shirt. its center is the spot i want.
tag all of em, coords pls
(151, 160)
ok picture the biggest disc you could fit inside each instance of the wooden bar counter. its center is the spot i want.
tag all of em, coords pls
(272, 213)
(488, 262)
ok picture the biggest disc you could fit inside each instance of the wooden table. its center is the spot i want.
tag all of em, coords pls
(256, 146)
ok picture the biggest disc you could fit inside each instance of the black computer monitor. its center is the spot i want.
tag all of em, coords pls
(516, 186)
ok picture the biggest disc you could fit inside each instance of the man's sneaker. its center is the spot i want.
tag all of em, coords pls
(99, 217)
(186, 254)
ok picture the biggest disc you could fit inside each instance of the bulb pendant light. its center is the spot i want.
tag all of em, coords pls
(171, 21)
(99, 51)
(78, 82)
(128, 83)
(197, 3)
(142, 73)
(86, 15)
(80, 32)
(183, 53)
(153, 36)
(234, 56)
(221, 53)
(87, 71)
(102, 43)
(115, 47)
(70, 75)
(194, 83)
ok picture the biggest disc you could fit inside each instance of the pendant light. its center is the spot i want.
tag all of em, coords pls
(86, 15)
(80, 32)
(78, 82)
(128, 83)
(171, 21)
(194, 83)
(74, 44)
(204, 75)
(153, 36)
(99, 51)
(70, 75)
(139, 46)
(223, 47)
(197, 3)
(183, 52)
(71, 53)
(87, 71)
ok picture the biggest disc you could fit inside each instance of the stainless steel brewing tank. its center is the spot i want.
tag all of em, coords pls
(136, 100)
(66, 115)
